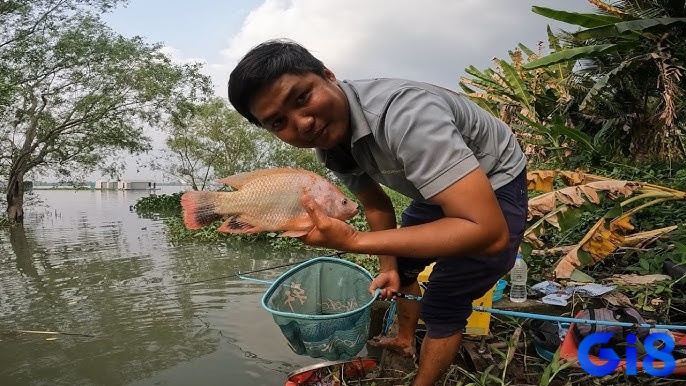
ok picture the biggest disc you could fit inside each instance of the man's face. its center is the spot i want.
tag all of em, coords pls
(304, 110)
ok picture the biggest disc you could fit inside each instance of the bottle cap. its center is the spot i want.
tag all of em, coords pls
(519, 256)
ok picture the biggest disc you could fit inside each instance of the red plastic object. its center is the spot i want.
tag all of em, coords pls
(333, 373)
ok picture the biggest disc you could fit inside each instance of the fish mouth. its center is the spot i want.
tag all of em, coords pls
(354, 212)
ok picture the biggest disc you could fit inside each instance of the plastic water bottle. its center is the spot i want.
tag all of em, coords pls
(518, 280)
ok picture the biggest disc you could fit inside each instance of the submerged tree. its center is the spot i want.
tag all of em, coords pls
(79, 92)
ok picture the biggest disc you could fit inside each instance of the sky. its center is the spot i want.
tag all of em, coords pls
(424, 40)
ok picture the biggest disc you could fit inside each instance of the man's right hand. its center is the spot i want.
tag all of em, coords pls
(388, 282)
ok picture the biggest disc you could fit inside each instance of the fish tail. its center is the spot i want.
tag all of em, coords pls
(200, 208)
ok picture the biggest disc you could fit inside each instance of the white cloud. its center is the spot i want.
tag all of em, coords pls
(428, 40)
(218, 72)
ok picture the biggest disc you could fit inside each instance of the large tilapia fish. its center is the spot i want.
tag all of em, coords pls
(266, 200)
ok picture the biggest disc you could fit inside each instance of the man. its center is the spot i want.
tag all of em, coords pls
(461, 166)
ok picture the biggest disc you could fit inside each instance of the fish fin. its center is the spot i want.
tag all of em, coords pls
(302, 225)
(237, 181)
(237, 224)
(294, 233)
(199, 209)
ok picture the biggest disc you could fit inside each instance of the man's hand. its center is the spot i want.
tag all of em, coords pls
(328, 232)
(388, 282)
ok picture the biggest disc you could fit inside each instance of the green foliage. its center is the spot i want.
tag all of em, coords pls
(532, 101)
(571, 54)
(651, 261)
(368, 262)
(161, 204)
(177, 231)
(553, 369)
(627, 87)
(80, 92)
(588, 20)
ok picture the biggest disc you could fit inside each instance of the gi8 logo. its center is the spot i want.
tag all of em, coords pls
(653, 354)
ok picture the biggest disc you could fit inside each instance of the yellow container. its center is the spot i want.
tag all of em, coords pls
(478, 322)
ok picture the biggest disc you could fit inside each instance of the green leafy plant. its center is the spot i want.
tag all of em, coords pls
(553, 369)
(630, 58)
(162, 204)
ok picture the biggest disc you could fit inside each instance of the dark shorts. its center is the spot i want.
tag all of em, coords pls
(455, 282)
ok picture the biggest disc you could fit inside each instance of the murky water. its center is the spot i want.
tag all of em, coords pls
(85, 264)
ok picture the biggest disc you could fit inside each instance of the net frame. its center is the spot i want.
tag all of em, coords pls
(304, 320)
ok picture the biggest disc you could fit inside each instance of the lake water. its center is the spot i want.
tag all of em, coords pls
(84, 263)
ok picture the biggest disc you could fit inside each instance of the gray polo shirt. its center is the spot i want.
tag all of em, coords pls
(418, 139)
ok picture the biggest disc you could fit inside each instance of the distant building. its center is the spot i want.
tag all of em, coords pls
(136, 185)
(125, 185)
(106, 185)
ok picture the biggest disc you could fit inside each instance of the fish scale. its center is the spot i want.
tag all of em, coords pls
(280, 198)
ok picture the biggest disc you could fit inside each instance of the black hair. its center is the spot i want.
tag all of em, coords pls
(262, 65)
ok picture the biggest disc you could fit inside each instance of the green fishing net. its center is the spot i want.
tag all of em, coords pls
(322, 307)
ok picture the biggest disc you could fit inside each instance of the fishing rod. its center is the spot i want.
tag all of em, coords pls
(552, 318)
(576, 320)
(240, 274)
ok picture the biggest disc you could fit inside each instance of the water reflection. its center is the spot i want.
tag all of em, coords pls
(85, 264)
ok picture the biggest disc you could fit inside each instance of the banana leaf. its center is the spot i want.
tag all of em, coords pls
(571, 54)
(628, 26)
(587, 20)
(516, 83)
(602, 82)
(576, 135)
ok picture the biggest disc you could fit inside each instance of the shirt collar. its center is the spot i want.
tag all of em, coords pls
(358, 122)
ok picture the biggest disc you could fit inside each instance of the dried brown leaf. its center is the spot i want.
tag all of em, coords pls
(615, 187)
(634, 279)
(567, 264)
(570, 196)
(533, 239)
(617, 299)
(541, 180)
(541, 205)
(579, 178)
(591, 194)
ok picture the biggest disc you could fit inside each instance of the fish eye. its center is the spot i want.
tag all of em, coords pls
(344, 202)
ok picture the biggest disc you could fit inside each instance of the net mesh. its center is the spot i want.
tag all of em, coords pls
(322, 307)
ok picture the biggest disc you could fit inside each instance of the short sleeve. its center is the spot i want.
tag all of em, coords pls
(421, 131)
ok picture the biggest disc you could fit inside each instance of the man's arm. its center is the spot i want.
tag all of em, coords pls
(380, 215)
(474, 223)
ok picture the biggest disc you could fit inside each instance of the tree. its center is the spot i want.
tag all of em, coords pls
(80, 93)
(19, 19)
(631, 58)
(533, 101)
(210, 140)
